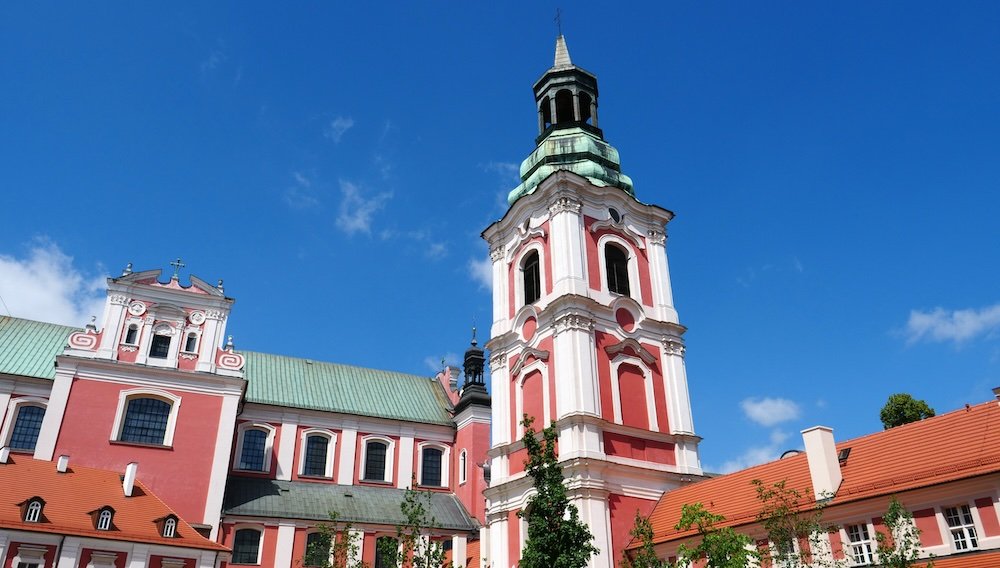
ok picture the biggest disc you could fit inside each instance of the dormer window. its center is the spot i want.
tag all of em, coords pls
(159, 347)
(169, 527)
(104, 518)
(191, 342)
(530, 272)
(132, 334)
(33, 512)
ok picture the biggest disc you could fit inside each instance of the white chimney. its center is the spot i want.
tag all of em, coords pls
(63, 464)
(4, 454)
(824, 467)
(128, 482)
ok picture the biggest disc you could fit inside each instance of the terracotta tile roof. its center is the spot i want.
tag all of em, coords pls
(879, 464)
(71, 497)
(985, 559)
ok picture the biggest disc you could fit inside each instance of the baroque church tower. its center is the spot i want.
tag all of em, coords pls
(584, 331)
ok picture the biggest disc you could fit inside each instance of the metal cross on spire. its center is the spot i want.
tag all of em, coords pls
(558, 20)
(178, 265)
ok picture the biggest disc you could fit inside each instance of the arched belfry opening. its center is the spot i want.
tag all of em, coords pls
(566, 96)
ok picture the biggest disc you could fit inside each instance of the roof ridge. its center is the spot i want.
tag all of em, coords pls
(335, 364)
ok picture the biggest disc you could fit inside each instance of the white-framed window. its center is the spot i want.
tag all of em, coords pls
(190, 343)
(146, 416)
(33, 510)
(169, 527)
(386, 552)
(619, 266)
(377, 458)
(432, 464)
(159, 342)
(254, 446)
(316, 451)
(624, 358)
(131, 336)
(29, 556)
(20, 433)
(529, 277)
(104, 518)
(317, 549)
(247, 545)
(861, 546)
(463, 464)
(962, 527)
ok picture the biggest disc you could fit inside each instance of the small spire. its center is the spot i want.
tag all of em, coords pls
(219, 285)
(128, 269)
(92, 326)
(229, 343)
(474, 342)
(562, 53)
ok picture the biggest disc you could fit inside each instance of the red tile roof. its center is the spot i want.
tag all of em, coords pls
(986, 559)
(71, 497)
(883, 463)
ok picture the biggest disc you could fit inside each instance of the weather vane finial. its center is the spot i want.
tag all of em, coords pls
(558, 20)
(178, 265)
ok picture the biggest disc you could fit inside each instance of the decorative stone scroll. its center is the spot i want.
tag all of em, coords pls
(137, 308)
(656, 237)
(673, 346)
(230, 360)
(196, 318)
(574, 322)
(620, 227)
(119, 299)
(525, 353)
(631, 345)
(84, 340)
(525, 234)
(564, 205)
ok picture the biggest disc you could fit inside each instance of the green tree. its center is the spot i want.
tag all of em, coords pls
(557, 538)
(413, 547)
(337, 546)
(901, 408)
(902, 549)
(645, 555)
(720, 547)
(787, 519)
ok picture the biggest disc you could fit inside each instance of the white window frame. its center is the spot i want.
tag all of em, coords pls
(634, 286)
(331, 450)
(519, 274)
(104, 519)
(33, 511)
(197, 341)
(305, 543)
(169, 527)
(260, 542)
(390, 457)
(541, 366)
(623, 358)
(268, 446)
(969, 530)
(13, 410)
(463, 465)
(126, 395)
(30, 554)
(138, 332)
(445, 463)
(870, 543)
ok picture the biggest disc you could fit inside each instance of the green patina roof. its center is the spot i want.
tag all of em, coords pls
(304, 383)
(29, 348)
(255, 497)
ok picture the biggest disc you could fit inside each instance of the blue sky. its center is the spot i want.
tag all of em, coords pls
(834, 169)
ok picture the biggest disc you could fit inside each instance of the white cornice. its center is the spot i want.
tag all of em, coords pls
(338, 421)
(142, 375)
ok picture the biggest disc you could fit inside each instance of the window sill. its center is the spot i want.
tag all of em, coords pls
(141, 445)
(308, 477)
(256, 471)
(432, 487)
(375, 481)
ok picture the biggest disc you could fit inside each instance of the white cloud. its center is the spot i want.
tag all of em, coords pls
(357, 210)
(481, 271)
(436, 250)
(300, 195)
(770, 411)
(509, 172)
(337, 127)
(943, 325)
(756, 455)
(437, 362)
(215, 58)
(46, 286)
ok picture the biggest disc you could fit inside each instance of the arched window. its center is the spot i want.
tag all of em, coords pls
(132, 334)
(27, 425)
(170, 527)
(191, 343)
(315, 458)
(104, 519)
(375, 454)
(246, 546)
(317, 549)
(564, 107)
(462, 467)
(616, 265)
(252, 456)
(386, 552)
(531, 278)
(430, 467)
(159, 346)
(33, 512)
(145, 421)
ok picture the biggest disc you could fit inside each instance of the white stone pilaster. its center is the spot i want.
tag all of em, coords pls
(210, 342)
(69, 553)
(500, 382)
(284, 545)
(348, 451)
(138, 558)
(286, 446)
(405, 465)
(659, 273)
(458, 551)
(594, 511)
(5, 392)
(113, 323)
(499, 535)
(58, 397)
(220, 463)
(207, 559)
(577, 388)
(357, 537)
(500, 294)
(676, 387)
(566, 247)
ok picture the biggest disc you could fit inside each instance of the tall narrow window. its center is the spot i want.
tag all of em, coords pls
(315, 458)
(462, 463)
(191, 342)
(131, 334)
(317, 549)
(430, 471)
(104, 519)
(33, 513)
(246, 546)
(375, 461)
(861, 545)
(386, 550)
(616, 264)
(27, 425)
(145, 421)
(532, 278)
(252, 453)
(159, 347)
(962, 527)
(169, 527)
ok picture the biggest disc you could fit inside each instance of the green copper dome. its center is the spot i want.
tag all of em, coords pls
(576, 150)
